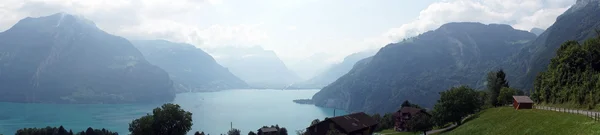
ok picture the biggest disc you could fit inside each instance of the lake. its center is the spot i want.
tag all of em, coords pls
(212, 112)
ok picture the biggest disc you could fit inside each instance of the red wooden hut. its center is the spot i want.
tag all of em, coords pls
(522, 102)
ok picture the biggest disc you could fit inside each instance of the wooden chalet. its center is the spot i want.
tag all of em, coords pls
(402, 116)
(351, 124)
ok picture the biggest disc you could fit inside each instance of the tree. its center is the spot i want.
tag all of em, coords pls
(505, 96)
(406, 103)
(169, 119)
(251, 133)
(495, 81)
(455, 104)
(234, 131)
(300, 132)
(420, 123)
(314, 122)
(199, 133)
(283, 131)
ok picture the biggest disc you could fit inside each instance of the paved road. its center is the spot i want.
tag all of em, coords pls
(584, 112)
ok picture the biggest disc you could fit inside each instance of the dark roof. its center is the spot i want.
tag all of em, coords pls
(353, 122)
(266, 130)
(522, 99)
(412, 110)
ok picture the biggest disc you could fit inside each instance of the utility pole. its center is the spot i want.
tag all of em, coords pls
(231, 125)
(333, 112)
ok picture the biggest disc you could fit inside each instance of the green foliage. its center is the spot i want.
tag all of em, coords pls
(234, 131)
(251, 133)
(406, 103)
(455, 104)
(62, 131)
(508, 121)
(170, 119)
(496, 80)
(420, 123)
(385, 122)
(300, 132)
(572, 77)
(199, 133)
(505, 96)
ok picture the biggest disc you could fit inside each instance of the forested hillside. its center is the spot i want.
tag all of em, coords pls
(418, 68)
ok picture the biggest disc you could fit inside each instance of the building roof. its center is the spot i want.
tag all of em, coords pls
(522, 99)
(266, 130)
(353, 122)
(412, 110)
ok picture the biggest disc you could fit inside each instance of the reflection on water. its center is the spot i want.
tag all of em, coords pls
(213, 112)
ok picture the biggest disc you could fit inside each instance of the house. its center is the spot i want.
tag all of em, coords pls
(351, 124)
(522, 102)
(402, 116)
(268, 131)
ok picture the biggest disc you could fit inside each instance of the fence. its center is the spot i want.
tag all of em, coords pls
(592, 114)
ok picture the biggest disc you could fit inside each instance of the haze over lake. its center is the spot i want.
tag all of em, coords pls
(213, 112)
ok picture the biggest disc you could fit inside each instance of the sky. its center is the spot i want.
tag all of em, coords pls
(322, 31)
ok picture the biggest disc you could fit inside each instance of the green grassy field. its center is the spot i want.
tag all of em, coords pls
(508, 121)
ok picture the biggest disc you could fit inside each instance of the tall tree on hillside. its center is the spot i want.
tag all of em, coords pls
(495, 81)
(455, 104)
(505, 96)
(420, 123)
(169, 119)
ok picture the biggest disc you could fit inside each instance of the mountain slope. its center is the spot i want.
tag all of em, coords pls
(66, 59)
(258, 67)
(418, 68)
(577, 23)
(190, 68)
(334, 72)
(537, 31)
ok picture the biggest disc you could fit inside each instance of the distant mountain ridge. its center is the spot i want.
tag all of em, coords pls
(417, 68)
(259, 68)
(334, 72)
(63, 58)
(190, 68)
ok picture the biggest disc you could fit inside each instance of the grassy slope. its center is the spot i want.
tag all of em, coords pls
(508, 121)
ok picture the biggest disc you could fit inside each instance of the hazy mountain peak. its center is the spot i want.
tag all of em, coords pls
(537, 31)
(58, 21)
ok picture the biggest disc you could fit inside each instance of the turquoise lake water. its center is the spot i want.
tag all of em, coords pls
(212, 112)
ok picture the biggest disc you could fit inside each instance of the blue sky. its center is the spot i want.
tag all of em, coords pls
(294, 29)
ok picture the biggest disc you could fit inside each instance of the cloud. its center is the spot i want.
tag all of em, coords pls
(291, 28)
(140, 19)
(521, 14)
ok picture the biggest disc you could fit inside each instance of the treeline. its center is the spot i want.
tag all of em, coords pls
(572, 77)
(62, 131)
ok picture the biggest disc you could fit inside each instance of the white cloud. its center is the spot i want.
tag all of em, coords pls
(522, 14)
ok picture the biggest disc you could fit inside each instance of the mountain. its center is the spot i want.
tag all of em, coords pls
(64, 58)
(334, 72)
(577, 23)
(190, 68)
(418, 68)
(311, 66)
(258, 67)
(537, 31)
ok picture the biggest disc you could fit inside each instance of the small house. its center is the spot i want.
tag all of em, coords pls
(268, 131)
(522, 102)
(402, 116)
(351, 124)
